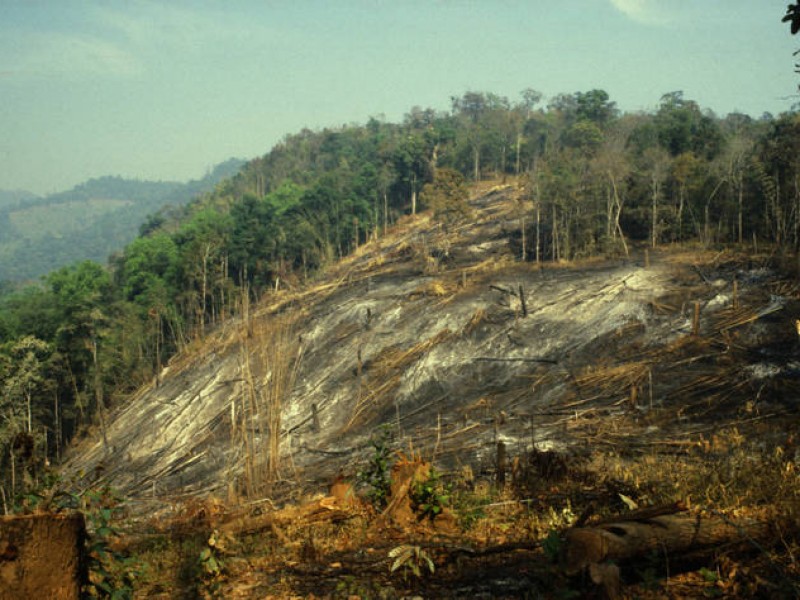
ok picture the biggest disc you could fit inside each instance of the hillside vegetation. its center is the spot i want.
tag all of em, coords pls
(89, 222)
(665, 380)
(597, 181)
(416, 276)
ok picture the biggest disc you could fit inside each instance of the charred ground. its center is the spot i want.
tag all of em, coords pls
(665, 375)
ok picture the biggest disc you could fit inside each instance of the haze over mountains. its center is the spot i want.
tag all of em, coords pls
(13, 197)
(88, 222)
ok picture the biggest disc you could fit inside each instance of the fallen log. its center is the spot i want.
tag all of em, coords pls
(628, 538)
(328, 508)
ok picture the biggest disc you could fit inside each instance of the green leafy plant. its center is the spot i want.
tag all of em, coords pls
(46, 497)
(713, 579)
(429, 497)
(552, 546)
(212, 565)
(350, 586)
(376, 476)
(112, 573)
(411, 559)
(470, 505)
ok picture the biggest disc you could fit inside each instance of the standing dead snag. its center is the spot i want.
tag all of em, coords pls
(696, 319)
(501, 464)
(315, 426)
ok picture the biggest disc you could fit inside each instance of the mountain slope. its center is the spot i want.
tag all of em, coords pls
(91, 221)
(425, 332)
(13, 197)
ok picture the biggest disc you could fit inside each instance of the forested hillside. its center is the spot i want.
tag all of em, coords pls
(12, 197)
(90, 221)
(598, 182)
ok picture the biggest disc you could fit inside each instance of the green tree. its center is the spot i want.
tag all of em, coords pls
(22, 430)
(201, 243)
(147, 273)
(682, 127)
(595, 106)
(613, 166)
(147, 276)
(447, 195)
(472, 109)
(686, 172)
(83, 292)
(523, 112)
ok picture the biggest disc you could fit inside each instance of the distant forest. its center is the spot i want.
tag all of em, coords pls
(90, 221)
(597, 180)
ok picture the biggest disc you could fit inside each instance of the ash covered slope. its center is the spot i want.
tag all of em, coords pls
(425, 330)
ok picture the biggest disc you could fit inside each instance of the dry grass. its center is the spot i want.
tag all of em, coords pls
(722, 470)
(478, 317)
(434, 289)
(650, 454)
(611, 381)
(387, 369)
(292, 551)
(267, 382)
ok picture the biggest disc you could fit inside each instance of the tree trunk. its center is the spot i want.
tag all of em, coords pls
(707, 214)
(57, 424)
(538, 231)
(98, 394)
(796, 226)
(385, 213)
(204, 292)
(555, 233)
(618, 215)
(44, 556)
(28, 402)
(670, 534)
(414, 194)
(655, 188)
(13, 470)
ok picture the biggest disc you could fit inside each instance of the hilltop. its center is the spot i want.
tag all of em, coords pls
(437, 333)
(539, 323)
(88, 222)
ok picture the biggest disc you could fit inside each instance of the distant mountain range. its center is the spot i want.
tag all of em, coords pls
(13, 197)
(90, 221)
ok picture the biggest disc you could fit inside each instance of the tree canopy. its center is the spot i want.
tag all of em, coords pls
(598, 180)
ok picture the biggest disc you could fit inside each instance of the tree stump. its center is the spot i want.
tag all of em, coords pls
(42, 556)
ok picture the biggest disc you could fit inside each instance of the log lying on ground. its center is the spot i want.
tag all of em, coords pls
(628, 537)
(329, 508)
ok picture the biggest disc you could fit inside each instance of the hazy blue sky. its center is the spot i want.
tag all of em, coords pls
(164, 90)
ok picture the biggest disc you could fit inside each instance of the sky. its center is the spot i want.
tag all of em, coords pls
(165, 90)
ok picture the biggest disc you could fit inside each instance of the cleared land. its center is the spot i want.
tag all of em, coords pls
(543, 395)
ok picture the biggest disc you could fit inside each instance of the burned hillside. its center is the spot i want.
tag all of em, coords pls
(434, 404)
(442, 334)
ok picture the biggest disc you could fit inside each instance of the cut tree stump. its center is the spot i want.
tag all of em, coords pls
(669, 534)
(42, 556)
